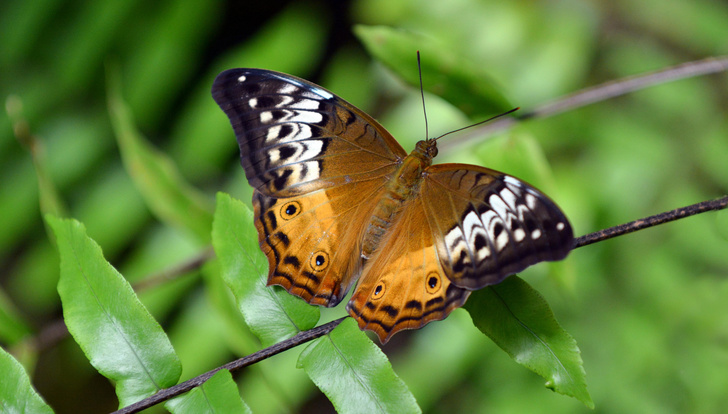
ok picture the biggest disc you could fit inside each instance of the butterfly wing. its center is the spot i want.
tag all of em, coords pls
(489, 225)
(316, 163)
(295, 137)
(313, 241)
(470, 227)
(403, 285)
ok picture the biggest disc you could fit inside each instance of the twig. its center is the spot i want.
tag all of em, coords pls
(678, 213)
(319, 331)
(174, 271)
(594, 94)
(183, 387)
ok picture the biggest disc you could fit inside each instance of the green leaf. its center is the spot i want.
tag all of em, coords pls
(116, 333)
(50, 199)
(170, 40)
(167, 194)
(354, 373)
(12, 326)
(271, 313)
(16, 393)
(445, 74)
(219, 394)
(518, 319)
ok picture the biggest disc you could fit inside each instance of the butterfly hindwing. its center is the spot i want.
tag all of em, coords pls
(403, 285)
(489, 225)
(312, 241)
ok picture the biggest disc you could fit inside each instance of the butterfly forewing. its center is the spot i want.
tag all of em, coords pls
(295, 137)
(490, 225)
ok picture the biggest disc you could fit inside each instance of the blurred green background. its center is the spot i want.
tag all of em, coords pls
(649, 310)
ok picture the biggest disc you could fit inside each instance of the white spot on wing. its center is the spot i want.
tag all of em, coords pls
(266, 117)
(519, 234)
(560, 226)
(311, 149)
(297, 131)
(501, 241)
(253, 102)
(293, 84)
(512, 180)
(274, 133)
(285, 101)
(241, 78)
(510, 198)
(309, 104)
(483, 253)
(305, 116)
(455, 243)
(453, 238)
(491, 220)
(302, 151)
(497, 204)
(288, 88)
(535, 234)
(299, 173)
(302, 131)
(470, 223)
(312, 170)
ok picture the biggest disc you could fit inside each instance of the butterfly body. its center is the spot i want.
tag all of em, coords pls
(400, 189)
(337, 200)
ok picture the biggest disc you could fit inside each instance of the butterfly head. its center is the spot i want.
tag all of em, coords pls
(426, 148)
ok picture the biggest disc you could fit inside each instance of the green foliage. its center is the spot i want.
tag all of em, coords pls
(519, 321)
(114, 330)
(139, 161)
(155, 175)
(448, 75)
(355, 374)
(271, 313)
(16, 393)
(219, 394)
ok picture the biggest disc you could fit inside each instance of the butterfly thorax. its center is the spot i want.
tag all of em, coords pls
(400, 190)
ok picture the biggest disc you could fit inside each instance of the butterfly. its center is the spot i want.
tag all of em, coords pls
(336, 199)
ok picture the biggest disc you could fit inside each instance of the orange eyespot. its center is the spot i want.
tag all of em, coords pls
(432, 282)
(290, 210)
(319, 261)
(378, 291)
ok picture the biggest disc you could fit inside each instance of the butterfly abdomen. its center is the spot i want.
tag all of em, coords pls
(403, 188)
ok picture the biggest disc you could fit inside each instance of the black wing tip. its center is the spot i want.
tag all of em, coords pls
(222, 81)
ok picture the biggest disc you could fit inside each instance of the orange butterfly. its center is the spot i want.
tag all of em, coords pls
(337, 199)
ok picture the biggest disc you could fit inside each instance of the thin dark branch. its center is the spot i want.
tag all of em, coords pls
(319, 331)
(173, 272)
(596, 94)
(183, 387)
(678, 213)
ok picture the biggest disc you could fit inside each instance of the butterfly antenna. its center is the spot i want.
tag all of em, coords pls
(478, 123)
(422, 94)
